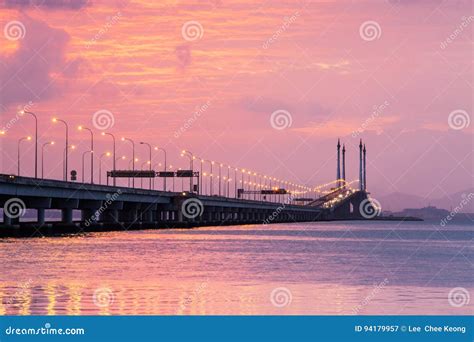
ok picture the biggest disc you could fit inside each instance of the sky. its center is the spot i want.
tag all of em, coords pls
(264, 85)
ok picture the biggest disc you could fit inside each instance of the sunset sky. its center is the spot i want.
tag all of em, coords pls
(207, 75)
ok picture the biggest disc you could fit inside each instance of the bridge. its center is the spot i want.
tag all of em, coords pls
(96, 207)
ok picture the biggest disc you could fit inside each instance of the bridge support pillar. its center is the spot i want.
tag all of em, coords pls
(88, 215)
(40, 216)
(7, 220)
(109, 215)
(66, 215)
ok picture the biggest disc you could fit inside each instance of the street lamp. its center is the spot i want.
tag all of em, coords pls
(191, 159)
(164, 166)
(220, 177)
(113, 151)
(19, 143)
(66, 148)
(149, 156)
(141, 168)
(83, 155)
(228, 180)
(211, 163)
(235, 181)
(36, 139)
(120, 158)
(42, 156)
(132, 161)
(133, 158)
(201, 180)
(92, 149)
(100, 165)
(171, 168)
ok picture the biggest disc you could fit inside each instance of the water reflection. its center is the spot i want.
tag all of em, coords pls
(322, 269)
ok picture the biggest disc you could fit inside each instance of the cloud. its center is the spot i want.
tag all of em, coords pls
(262, 104)
(34, 72)
(46, 4)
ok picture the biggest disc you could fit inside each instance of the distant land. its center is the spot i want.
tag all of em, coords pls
(397, 201)
(443, 216)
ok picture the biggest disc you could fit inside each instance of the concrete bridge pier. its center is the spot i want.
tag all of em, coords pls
(129, 213)
(87, 215)
(66, 206)
(66, 215)
(8, 220)
(110, 211)
(89, 210)
(208, 213)
(109, 216)
(40, 204)
(146, 213)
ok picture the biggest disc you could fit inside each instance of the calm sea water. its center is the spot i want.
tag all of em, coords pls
(316, 268)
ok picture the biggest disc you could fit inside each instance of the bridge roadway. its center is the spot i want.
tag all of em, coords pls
(104, 208)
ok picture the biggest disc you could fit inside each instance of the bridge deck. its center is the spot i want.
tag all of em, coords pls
(104, 207)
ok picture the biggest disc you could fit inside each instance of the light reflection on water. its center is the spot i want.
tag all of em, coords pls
(323, 268)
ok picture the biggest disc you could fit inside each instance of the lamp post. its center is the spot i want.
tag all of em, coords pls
(92, 149)
(211, 163)
(42, 156)
(19, 144)
(228, 180)
(133, 158)
(164, 166)
(66, 148)
(149, 160)
(201, 180)
(36, 139)
(132, 161)
(141, 168)
(120, 158)
(100, 165)
(115, 163)
(235, 181)
(242, 173)
(155, 167)
(171, 168)
(113, 152)
(191, 165)
(220, 177)
(83, 155)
